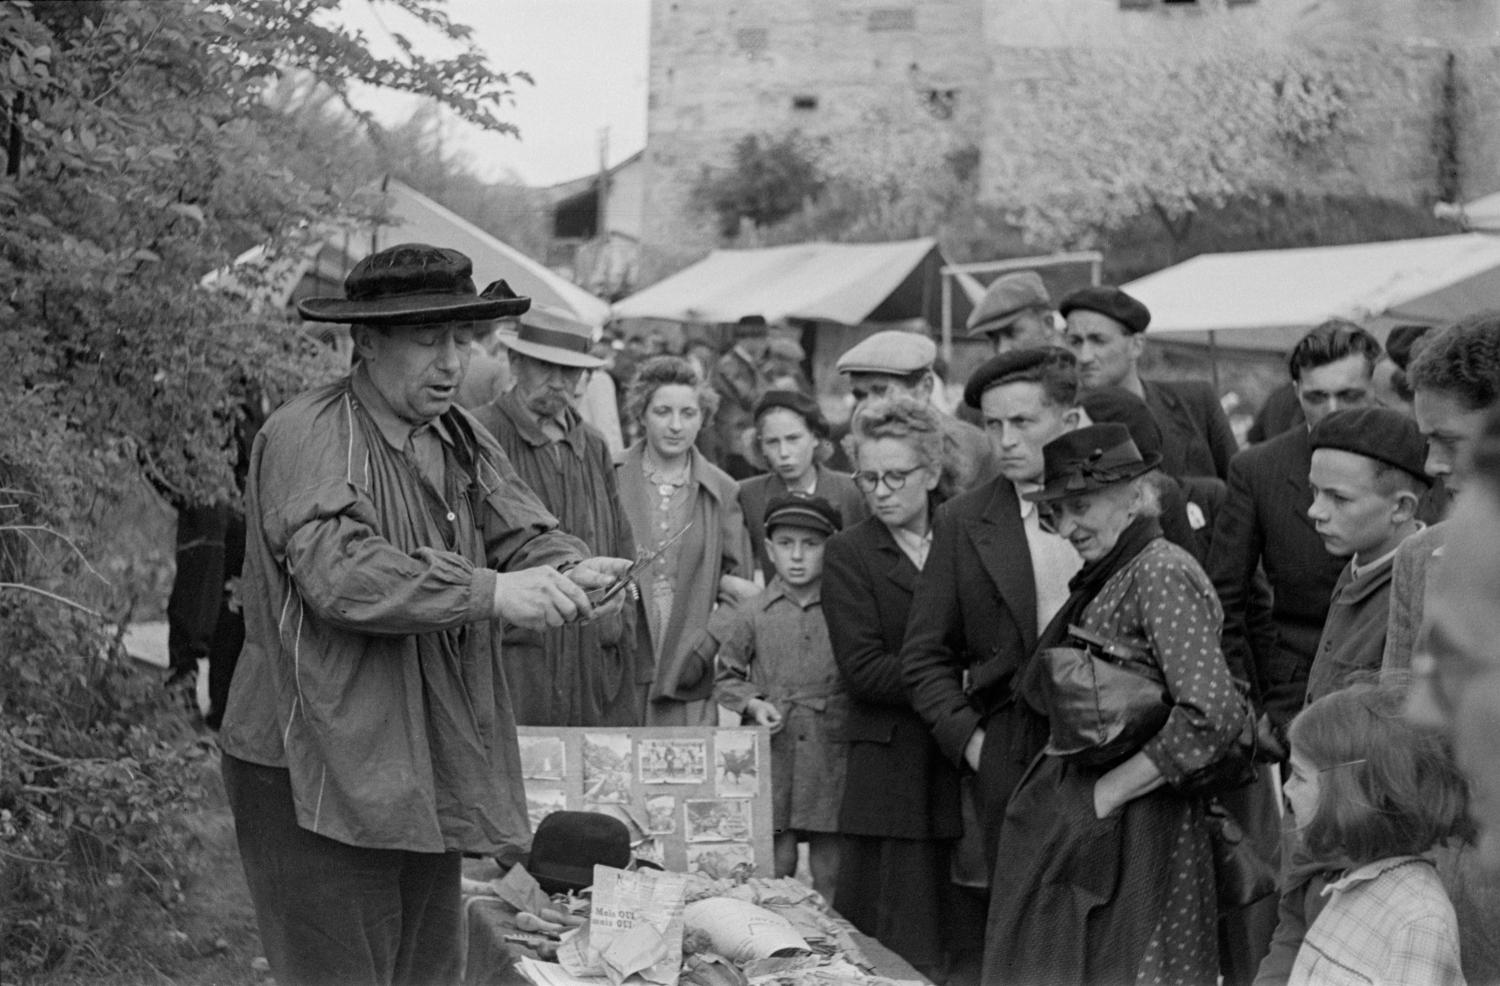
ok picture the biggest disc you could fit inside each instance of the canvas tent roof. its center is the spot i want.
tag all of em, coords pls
(415, 218)
(1482, 214)
(848, 283)
(1267, 299)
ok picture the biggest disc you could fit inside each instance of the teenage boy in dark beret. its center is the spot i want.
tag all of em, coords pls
(1367, 480)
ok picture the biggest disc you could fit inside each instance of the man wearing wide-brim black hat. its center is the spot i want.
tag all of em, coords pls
(369, 739)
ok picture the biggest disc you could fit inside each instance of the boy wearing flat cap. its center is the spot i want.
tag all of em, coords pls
(776, 669)
(1367, 479)
(368, 740)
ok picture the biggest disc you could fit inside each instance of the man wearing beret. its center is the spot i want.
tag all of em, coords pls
(1367, 479)
(368, 740)
(1105, 331)
(1015, 313)
(993, 578)
(893, 362)
(581, 674)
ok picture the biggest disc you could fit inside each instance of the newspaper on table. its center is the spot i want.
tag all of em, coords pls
(634, 928)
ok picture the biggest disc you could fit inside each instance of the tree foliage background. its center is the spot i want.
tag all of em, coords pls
(141, 147)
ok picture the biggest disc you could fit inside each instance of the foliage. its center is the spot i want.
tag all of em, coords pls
(770, 178)
(92, 849)
(1168, 135)
(139, 154)
(895, 175)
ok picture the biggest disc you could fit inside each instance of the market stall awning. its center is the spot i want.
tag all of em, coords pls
(848, 283)
(1268, 299)
(415, 218)
(412, 218)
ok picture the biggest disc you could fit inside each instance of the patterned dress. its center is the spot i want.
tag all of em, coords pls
(1129, 898)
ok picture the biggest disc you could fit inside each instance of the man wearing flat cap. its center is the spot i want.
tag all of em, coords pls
(894, 363)
(1015, 313)
(1367, 479)
(581, 674)
(368, 740)
(1106, 330)
(992, 580)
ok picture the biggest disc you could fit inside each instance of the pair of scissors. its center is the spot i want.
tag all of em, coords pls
(643, 560)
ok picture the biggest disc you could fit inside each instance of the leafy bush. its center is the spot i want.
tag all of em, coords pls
(97, 776)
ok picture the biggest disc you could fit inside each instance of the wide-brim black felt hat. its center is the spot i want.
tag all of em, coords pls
(1090, 459)
(414, 284)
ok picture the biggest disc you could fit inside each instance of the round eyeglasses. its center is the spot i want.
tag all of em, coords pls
(893, 479)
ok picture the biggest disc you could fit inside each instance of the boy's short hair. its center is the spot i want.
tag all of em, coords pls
(812, 513)
(1462, 360)
(1387, 787)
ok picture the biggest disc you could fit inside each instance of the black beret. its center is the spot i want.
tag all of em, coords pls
(798, 403)
(811, 512)
(1118, 405)
(1111, 301)
(1377, 433)
(1003, 368)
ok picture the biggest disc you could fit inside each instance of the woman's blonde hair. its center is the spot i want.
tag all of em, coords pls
(912, 421)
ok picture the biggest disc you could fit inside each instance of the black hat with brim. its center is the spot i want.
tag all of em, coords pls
(1090, 459)
(414, 284)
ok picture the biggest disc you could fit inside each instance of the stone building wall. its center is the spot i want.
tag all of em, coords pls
(721, 69)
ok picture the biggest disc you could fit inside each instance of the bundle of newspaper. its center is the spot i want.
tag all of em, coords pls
(634, 928)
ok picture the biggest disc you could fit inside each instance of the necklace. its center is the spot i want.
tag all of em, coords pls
(666, 485)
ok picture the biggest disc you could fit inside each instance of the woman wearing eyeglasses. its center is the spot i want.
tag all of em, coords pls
(900, 811)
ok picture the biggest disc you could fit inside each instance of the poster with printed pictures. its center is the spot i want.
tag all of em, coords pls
(719, 820)
(671, 761)
(543, 758)
(606, 767)
(723, 860)
(651, 850)
(543, 800)
(736, 767)
(692, 797)
(661, 814)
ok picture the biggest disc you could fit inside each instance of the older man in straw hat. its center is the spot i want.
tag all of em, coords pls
(368, 740)
(582, 674)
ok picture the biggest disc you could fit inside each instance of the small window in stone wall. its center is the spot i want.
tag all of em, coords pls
(752, 39)
(804, 103)
(892, 19)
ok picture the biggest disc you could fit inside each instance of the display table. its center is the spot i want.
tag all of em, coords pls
(490, 959)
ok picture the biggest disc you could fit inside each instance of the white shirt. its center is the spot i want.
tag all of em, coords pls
(1053, 560)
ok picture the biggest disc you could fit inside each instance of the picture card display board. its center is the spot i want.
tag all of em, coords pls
(695, 798)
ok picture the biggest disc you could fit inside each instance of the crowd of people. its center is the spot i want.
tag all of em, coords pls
(1033, 671)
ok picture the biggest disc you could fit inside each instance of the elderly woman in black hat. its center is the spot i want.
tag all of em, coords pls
(792, 437)
(1104, 873)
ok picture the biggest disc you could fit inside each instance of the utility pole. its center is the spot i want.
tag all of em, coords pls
(601, 225)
